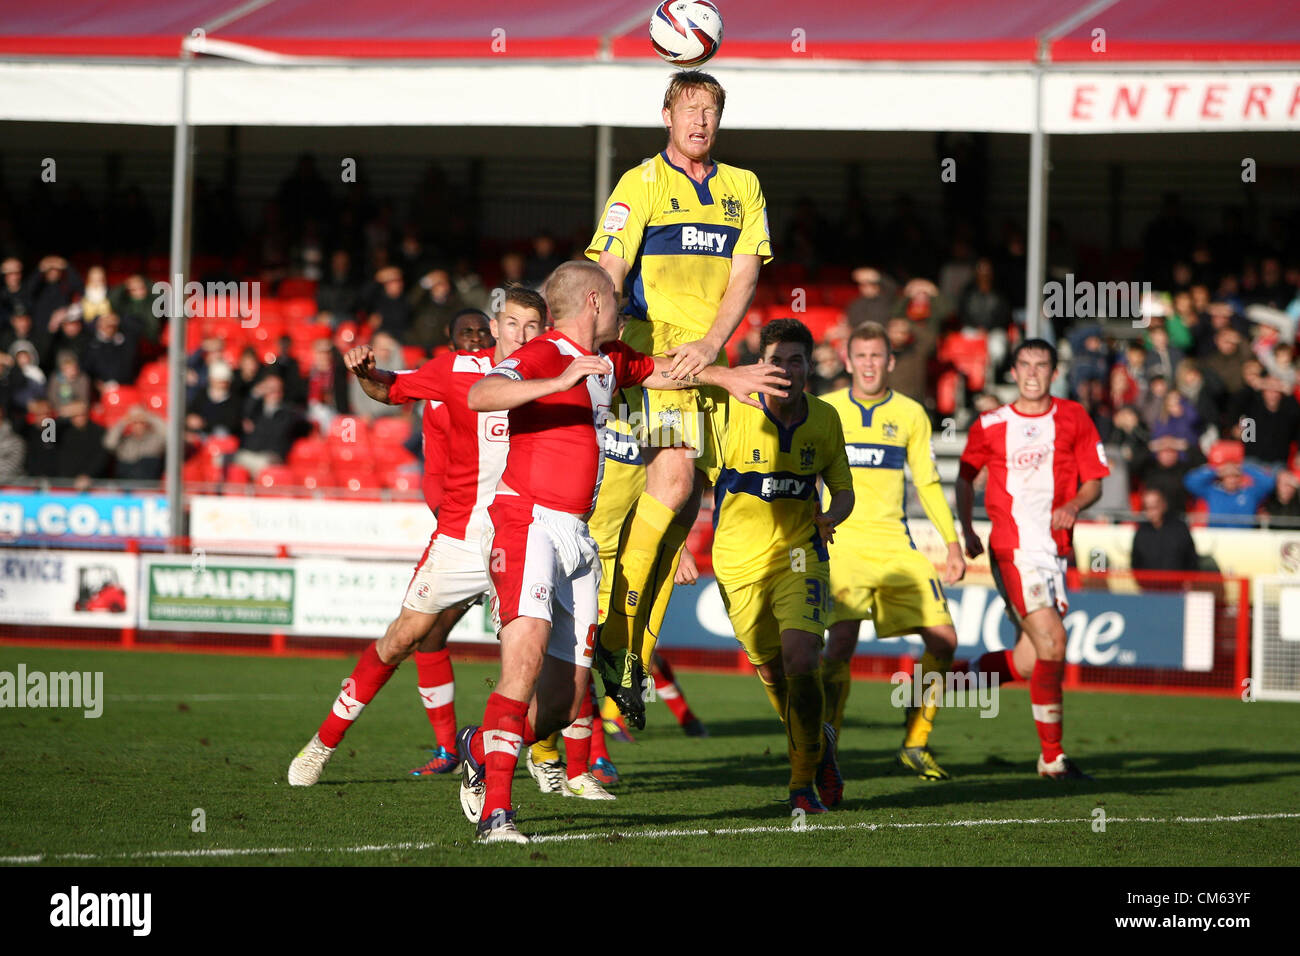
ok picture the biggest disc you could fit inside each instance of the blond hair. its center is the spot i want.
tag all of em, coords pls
(567, 287)
(694, 80)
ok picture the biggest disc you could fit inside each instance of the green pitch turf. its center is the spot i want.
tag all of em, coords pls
(181, 733)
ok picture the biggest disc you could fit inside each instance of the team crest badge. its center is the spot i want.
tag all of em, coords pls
(1031, 430)
(731, 208)
(891, 430)
(807, 454)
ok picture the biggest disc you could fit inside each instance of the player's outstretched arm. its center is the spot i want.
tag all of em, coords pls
(965, 507)
(693, 357)
(741, 381)
(497, 392)
(375, 382)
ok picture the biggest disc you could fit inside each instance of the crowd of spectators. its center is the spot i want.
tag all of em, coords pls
(1196, 402)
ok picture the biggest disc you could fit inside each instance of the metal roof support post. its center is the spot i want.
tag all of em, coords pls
(1036, 239)
(182, 174)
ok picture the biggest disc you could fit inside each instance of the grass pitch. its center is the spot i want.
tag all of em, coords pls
(1181, 781)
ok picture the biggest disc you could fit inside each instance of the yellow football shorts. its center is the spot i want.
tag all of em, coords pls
(694, 418)
(896, 587)
(782, 601)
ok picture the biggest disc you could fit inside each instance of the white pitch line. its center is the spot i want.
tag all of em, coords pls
(639, 834)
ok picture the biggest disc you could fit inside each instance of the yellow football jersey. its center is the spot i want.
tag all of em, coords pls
(765, 489)
(678, 237)
(879, 438)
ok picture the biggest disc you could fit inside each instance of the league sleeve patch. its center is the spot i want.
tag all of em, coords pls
(616, 217)
(1101, 454)
(507, 368)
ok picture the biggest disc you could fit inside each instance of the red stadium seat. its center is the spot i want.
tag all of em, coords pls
(155, 399)
(839, 295)
(820, 319)
(275, 476)
(350, 428)
(390, 430)
(400, 480)
(969, 354)
(946, 392)
(313, 475)
(238, 475)
(414, 356)
(390, 456)
(347, 336)
(297, 289)
(298, 310)
(305, 333)
(310, 452)
(153, 373)
(116, 402)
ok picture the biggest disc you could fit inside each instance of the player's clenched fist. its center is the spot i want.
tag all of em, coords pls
(360, 361)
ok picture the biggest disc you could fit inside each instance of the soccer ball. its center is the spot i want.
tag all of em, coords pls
(686, 33)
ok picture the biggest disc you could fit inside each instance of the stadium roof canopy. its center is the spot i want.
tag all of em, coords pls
(1109, 65)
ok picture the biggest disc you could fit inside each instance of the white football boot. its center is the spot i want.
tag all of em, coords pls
(307, 766)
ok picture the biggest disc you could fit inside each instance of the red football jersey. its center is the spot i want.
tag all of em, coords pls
(1036, 463)
(435, 427)
(557, 443)
(480, 439)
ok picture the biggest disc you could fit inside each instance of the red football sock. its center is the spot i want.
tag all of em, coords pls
(1002, 663)
(503, 738)
(1045, 699)
(476, 739)
(438, 694)
(577, 740)
(666, 688)
(598, 748)
(368, 676)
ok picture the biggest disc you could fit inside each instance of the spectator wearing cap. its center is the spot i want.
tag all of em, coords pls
(79, 444)
(921, 301)
(111, 353)
(1163, 541)
(13, 450)
(73, 336)
(1284, 502)
(139, 441)
(68, 383)
(1164, 464)
(270, 427)
(386, 302)
(1231, 488)
(216, 410)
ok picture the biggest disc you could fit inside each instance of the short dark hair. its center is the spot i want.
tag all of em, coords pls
(476, 313)
(786, 330)
(1039, 345)
(521, 294)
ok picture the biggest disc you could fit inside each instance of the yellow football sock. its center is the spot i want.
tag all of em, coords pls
(609, 710)
(837, 682)
(661, 587)
(639, 543)
(776, 694)
(545, 750)
(921, 722)
(805, 703)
